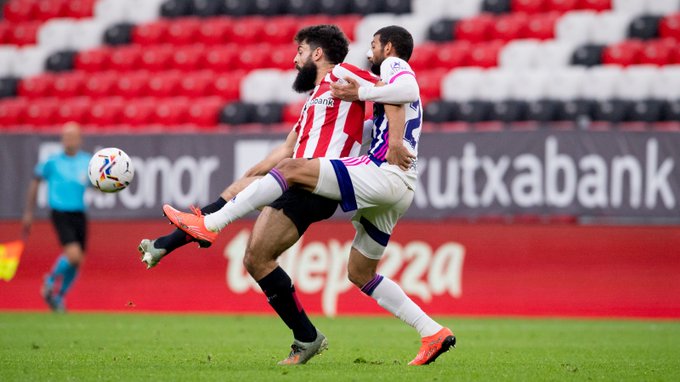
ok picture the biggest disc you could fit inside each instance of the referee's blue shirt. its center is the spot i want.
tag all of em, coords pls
(66, 178)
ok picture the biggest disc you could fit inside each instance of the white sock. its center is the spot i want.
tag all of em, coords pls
(258, 194)
(390, 296)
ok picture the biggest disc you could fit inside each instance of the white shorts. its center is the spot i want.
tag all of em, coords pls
(380, 198)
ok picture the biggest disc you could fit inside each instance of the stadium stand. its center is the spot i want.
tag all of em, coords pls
(204, 63)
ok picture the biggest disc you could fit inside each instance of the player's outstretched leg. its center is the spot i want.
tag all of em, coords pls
(192, 224)
(150, 254)
(301, 352)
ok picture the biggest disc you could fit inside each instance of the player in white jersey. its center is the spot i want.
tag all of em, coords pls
(379, 186)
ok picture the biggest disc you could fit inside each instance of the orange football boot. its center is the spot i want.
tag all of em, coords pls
(433, 346)
(192, 224)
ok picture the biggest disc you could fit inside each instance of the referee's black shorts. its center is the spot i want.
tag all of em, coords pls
(304, 208)
(70, 226)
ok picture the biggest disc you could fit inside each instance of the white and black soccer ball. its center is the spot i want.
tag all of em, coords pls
(111, 170)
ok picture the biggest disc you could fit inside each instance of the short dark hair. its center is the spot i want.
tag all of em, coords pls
(328, 37)
(401, 40)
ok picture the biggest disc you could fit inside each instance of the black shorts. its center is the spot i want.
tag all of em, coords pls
(304, 208)
(70, 226)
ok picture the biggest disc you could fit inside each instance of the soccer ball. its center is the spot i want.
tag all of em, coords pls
(110, 170)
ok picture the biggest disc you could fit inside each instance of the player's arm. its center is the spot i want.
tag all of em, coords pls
(31, 198)
(281, 152)
(397, 154)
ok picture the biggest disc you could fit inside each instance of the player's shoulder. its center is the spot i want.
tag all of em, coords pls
(392, 66)
(344, 69)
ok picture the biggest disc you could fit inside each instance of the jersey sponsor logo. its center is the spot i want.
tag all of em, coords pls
(328, 102)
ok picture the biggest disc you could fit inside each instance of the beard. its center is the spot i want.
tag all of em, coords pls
(306, 78)
(375, 68)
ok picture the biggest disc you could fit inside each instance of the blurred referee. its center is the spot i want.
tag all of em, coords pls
(66, 175)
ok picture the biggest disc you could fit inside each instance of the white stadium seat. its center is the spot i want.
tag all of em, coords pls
(260, 86)
(112, 11)
(284, 90)
(637, 81)
(358, 55)
(576, 27)
(87, 34)
(667, 84)
(634, 7)
(142, 11)
(364, 30)
(519, 54)
(430, 9)
(29, 61)
(566, 83)
(460, 9)
(495, 84)
(7, 54)
(529, 84)
(554, 54)
(610, 27)
(661, 7)
(417, 25)
(462, 84)
(55, 34)
(601, 82)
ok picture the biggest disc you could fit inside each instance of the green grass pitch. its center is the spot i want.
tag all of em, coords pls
(154, 347)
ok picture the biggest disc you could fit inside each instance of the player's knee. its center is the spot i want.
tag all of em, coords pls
(291, 169)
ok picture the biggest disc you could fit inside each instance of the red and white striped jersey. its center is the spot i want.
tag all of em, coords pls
(329, 127)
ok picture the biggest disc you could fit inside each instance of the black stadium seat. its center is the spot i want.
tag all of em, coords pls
(496, 6)
(670, 111)
(269, 7)
(237, 7)
(587, 55)
(119, 34)
(543, 110)
(439, 111)
(472, 111)
(176, 8)
(302, 7)
(508, 111)
(574, 110)
(614, 111)
(649, 110)
(398, 6)
(365, 7)
(61, 61)
(207, 8)
(644, 27)
(334, 7)
(268, 113)
(441, 30)
(237, 113)
(8, 87)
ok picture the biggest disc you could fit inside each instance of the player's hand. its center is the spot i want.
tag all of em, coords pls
(398, 155)
(348, 91)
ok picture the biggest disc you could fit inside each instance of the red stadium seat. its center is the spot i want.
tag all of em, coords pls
(624, 54)
(528, 6)
(165, 84)
(280, 30)
(5, 32)
(660, 52)
(73, 110)
(183, 31)
(291, 112)
(93, 60)
(253, 57)
(24, 33)
(248, 30)
(188, 58)
(46, 10)
(36, 87)
(12, 111)
(348, 24)
(215, 31)
(227, 85)
(510, 27)
(126, 58)
(151, 34)
(157, 58)
(542, 26)
(100, 85)
(78, 9)
(281, 57)
(171, 112)
(106, 112)
(195, 85)
(485, 55)
(139, 112)
(669, 27)
(474, 29)
(17, 11)
(69, 84)
(221, 58)
(424, 56)
(596, 5)
(132, 85)
(561, 6)
(451, 55)
(429, 82)
(41, 112)
(204, 112)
